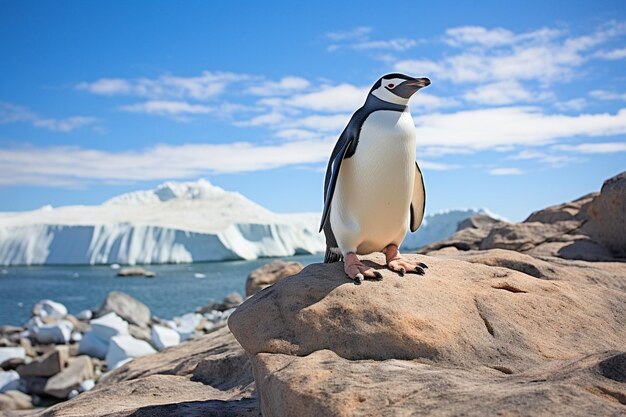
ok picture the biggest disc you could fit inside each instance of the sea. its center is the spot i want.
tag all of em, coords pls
(177, 288)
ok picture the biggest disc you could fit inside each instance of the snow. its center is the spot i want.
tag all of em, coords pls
(124, 348)
(59, 332)
(163, 337)
(9, 380)
(174, 223)
(7, 353)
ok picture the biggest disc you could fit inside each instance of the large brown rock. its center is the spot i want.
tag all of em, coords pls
(269, 274)
(127, 307)
(464, 330)
(49, 364)
(78, 370)
(207, 376)
(607, 215)
(15, 400)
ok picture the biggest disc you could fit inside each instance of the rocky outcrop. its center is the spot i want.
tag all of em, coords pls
(469, 328)
(127, 307)
(269, 274)
(208, 376)
(591, 228)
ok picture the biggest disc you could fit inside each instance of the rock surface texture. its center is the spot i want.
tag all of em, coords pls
(269, 274)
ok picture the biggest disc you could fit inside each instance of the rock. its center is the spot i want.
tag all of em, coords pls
(465, 239)
(59, 332)
(208, 376)
(123, 348)
(135, 271)
(108, 326)
(574, 210)
(49, 364)
(607, 215)
(15, 400)
(12, 364)
(7, 353)
(93, 346)
(513, 336)
(232, 300)
(141, 333)
(187, 324)
(163, 337)
(87, 385)
(269, 274)
(127, 307)
(78, 370)
(35, 385)
(9, 380)
(479, 221)
(525, 236)
(85, 315)
(49, 309)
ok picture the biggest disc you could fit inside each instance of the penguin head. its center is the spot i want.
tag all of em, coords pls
(397, 88)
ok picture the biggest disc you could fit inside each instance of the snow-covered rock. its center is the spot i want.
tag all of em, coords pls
(176, 222)
(124, 348)
(87, 385)
(93, 346)
(59, 332)
(85, 315)
(439, 226)
(51, 310)
(9, 380)
(163, 337)
(186, 324)
(7, 353)
(108, 326)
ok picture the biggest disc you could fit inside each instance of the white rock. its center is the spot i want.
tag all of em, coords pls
(77, 336)
(73, 393)
(213, 316)
(163, 337)
(58, 333)
(85, 315)
(87, 385)
(49, 308)
(226, 313)
(125, 347)
(9, 380)
(115, 266)
(186, 324)
(7, 353)
(199, 275)
(108, 326)
(93, 346)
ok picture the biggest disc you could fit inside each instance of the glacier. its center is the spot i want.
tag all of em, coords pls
(178, 222)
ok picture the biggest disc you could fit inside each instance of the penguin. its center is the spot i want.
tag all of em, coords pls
(373, 188)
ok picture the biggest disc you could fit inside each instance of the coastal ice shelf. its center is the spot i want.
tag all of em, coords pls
(175, 223)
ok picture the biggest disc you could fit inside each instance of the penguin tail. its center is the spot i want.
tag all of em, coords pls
(331, 255)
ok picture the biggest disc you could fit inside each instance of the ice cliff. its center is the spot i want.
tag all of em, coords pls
(176, 222)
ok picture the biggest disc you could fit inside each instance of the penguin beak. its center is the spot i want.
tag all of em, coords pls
(420, 82)
(410, 87)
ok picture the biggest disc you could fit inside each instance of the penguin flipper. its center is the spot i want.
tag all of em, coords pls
(332, 173)
(418, 200)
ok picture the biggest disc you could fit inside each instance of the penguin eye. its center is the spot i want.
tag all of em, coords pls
(392, 85)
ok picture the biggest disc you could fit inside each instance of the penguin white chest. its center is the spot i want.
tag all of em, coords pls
(370, 209)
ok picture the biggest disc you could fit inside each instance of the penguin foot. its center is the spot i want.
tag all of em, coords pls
(398, 264)
(357, 271)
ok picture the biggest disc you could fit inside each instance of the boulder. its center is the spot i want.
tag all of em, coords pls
(15, 400)
(187, 324)
(269, 274)
(9, 380)
(607, 215)
(135, 271)
(571, 211)
(59, 332)
(48, 309)
(108, 326)
(163, 337)
(127, 307)
(207, 376)
(47, 365)
(84, 315)
(7, 353)
(479, 221)
(78, 370)
(232, 300)
(514, 335)
(93, 346)
(124, 348)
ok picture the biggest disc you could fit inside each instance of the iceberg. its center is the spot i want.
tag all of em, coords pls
(178, 222)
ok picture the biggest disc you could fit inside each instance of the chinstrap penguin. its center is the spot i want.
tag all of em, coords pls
(373, 190)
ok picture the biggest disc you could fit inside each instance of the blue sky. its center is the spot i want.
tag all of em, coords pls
(527, 105)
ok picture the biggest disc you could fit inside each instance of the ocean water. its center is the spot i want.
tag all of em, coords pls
(177, 289)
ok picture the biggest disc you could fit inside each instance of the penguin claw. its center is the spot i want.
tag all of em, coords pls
(358, 279)
(378, 276)
(401, 271)
(419, 270)
(422, 265)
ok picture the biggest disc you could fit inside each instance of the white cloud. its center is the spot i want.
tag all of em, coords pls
(505, 171)
(202, 87)
(12, 113)
(512, 126)
(573, 104)
(166, 108)
(552, 159)
(478, 35)
(356, 33)
(396, 44)
(503, 92)
(613, 54)
(437, 166)
(339, 98)
(594, 148)
(285, 85)
(607, 95)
